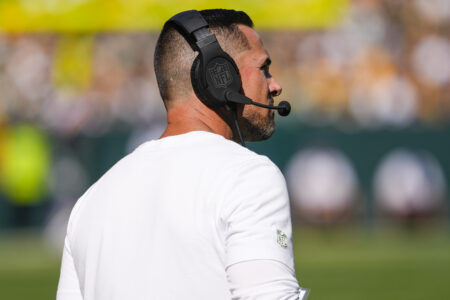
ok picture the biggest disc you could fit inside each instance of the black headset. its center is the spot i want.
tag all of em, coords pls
(214, 74)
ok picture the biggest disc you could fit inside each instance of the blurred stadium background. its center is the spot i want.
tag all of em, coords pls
(366, 151)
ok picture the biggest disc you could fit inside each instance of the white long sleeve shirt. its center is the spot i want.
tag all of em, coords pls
(193, 216)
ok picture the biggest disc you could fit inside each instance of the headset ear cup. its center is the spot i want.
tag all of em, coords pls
(212, 95)
(194, 78)
(196, 82)
(235, 73)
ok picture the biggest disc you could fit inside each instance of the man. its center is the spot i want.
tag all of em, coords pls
(192, 215)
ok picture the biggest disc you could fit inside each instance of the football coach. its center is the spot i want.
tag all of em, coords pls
(193, 214)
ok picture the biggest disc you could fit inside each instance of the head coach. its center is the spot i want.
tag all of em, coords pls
(193, 214)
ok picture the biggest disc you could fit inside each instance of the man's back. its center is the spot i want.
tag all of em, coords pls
(166, 221)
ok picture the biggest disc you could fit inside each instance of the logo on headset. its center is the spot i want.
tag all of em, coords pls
(221, 75)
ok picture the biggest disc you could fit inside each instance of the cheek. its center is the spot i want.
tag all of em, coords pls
(253, 82)
(246, 78)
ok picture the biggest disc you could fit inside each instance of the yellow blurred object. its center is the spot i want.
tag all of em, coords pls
(131, 15)
(24, 164)
(2, 148)
(72, 68)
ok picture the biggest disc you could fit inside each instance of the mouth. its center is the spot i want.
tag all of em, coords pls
(271, 111)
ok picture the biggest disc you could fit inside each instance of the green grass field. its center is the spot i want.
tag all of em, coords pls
(335, 264)
(386, 264)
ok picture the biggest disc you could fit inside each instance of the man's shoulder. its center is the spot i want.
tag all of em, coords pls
(205, 151)
(233, 154)
(206, 146)
(241, 162)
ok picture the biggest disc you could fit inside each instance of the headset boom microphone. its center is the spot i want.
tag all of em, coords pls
(284, 108)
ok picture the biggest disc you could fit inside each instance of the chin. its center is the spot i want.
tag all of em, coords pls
(257, 127)
(267, 134)
(257, 132)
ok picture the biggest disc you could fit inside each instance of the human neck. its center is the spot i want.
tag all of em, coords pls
(195, 116)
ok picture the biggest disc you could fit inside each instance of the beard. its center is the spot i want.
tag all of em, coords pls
(256, 127)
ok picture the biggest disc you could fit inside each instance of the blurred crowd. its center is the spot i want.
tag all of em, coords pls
(386, 65)
(78, 84)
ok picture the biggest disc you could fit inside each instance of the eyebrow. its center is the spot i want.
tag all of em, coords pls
(267, 62)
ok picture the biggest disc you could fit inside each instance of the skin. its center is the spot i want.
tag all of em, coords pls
(190, 114)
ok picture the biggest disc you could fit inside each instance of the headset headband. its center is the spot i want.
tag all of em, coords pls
(194, 27)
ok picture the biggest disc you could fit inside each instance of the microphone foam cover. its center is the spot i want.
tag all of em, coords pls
(284, 108)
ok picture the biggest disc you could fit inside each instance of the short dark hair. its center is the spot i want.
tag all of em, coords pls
(174, 56)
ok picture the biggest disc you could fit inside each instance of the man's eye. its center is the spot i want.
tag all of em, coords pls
(265, 69)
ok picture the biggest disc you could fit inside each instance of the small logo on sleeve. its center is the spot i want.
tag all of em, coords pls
(282, 238)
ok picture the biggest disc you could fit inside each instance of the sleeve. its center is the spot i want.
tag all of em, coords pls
(69, 282)
(68, 286)
(264, 280)
(256, 215)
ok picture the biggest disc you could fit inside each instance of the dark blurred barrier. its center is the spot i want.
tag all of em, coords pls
(364, 148)
(79, 161)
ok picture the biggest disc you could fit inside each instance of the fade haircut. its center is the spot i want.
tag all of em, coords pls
(174, 55)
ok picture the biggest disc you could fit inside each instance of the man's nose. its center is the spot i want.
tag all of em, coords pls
(274, 87)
